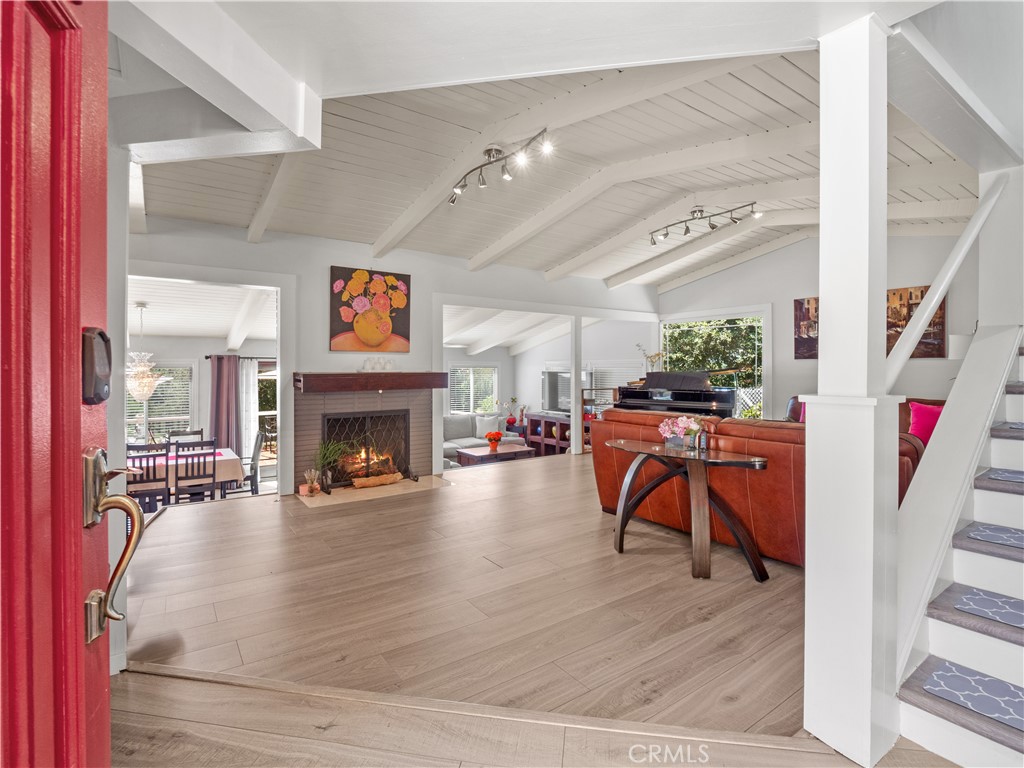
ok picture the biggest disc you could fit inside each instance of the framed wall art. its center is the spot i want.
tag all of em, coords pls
(369, 310)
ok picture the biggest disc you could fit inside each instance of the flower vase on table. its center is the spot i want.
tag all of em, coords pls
(493, 440)
(682, 432)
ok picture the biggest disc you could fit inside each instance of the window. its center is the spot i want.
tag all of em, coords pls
(266, 388)
(472, 390)
(168, 410)
(734, 344)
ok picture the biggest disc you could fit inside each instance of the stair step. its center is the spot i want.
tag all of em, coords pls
(980, 610)
(1007, 453)
(1013, 407)
(998, 508)
(994, 540)
(985, 705)
(1009, 430)
(1015, 387)
(1000, 480)
(1005, 577)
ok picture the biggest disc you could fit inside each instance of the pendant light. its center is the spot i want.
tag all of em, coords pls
(140, 378)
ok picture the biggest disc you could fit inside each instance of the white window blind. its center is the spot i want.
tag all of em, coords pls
(170, 407)
(472, 390)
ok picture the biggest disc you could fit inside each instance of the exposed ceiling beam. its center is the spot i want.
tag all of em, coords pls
(559, 327)
(471, 319)
(787, 218)
(739, 258)
(933, 229)
(136, 200)
(498, 338)
(765, 144)
(277, 182)
(949, 172)
(617, 90)
(206, 50)
(248, 313)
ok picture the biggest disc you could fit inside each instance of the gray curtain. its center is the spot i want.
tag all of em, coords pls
(225, 413)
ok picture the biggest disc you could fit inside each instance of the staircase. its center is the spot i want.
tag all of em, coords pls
(965, 701)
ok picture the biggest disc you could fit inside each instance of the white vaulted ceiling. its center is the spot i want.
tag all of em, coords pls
(634, 150)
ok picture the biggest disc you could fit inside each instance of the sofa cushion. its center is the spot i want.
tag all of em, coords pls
(485, 424)
(468, 442)
(458, 425)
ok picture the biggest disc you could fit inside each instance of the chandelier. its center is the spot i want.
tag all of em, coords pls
(140, 378)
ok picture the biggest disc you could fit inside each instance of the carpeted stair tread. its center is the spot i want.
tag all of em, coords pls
(963, 696)
(994, 540)
(1015, 387)
(1009, 430)
(1000, 480)
(988, 613)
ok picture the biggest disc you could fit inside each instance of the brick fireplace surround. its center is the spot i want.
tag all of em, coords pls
(319, 394)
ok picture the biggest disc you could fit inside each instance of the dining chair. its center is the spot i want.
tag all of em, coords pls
(181, 436)
(196, 471)
(150, 486)
(253, 478)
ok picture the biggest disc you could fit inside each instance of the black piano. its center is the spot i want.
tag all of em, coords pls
(681, 392)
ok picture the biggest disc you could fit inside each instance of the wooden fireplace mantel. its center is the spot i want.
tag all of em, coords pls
(368, 382)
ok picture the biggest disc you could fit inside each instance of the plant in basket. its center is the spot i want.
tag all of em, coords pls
(681, 431)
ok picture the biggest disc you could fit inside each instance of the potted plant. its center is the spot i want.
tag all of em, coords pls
(327, 455)
(683, 431)
(494, 439)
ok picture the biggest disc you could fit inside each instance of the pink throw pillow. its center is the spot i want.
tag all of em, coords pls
(803, 412)
(923, 419)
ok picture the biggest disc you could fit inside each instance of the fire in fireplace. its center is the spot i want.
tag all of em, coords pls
(375, 444)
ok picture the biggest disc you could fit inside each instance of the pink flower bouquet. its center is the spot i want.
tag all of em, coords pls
(680, 427)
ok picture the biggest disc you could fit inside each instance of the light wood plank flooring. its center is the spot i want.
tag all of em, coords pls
(502, 589)
(175, 721)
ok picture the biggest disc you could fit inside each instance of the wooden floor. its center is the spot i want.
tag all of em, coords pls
(170, 721)
(501, 589)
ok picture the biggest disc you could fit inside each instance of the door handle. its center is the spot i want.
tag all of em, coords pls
(98, 605)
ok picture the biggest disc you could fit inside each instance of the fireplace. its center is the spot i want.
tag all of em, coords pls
(376, 443)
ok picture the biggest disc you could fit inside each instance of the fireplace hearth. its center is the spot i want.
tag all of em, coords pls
(375, 443)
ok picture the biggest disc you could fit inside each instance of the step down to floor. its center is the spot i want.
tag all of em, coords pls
(1000, 480)
(1009, 430)
(1015, 387)
(994, 540)
(985, 705)
(988, 613)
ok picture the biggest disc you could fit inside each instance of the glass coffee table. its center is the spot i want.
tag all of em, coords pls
(693, 465)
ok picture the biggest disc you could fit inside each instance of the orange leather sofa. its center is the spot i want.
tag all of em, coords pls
(770, 502)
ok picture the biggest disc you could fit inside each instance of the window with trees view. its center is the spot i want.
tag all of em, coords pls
(472, 390)
(168, 410)
(266, 407)
(713, 345)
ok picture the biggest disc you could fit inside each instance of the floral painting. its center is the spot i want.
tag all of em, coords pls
(369, 311)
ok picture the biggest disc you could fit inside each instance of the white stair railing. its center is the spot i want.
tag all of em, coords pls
(929, 512)
(918, 324)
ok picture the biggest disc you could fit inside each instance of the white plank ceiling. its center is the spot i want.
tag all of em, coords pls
(381, 153)
(189, 308)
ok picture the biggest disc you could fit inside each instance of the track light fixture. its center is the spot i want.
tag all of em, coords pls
(697, 214)
(494, 154)
(453, 199)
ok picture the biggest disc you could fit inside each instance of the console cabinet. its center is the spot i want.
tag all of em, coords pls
(548, 434)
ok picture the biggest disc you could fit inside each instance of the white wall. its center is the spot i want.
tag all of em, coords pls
(300, 266)
(193, 349)
(792, 273)
(608, 340)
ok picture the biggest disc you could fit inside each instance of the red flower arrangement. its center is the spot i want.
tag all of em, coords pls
(493, 437)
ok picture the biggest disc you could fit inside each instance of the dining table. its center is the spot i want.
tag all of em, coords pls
(228, 468)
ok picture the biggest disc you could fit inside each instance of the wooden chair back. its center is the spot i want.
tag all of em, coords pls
(182, 436)
(196, 469)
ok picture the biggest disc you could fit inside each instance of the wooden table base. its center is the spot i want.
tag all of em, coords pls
(702, 501)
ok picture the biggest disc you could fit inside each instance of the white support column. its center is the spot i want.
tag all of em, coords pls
(850, 658)
(576, 374)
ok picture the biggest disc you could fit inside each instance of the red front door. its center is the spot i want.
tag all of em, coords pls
(54, 689)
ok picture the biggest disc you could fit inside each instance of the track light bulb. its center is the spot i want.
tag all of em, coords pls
(663, 234)
(453, 199)
(733, 219)
(546, 148)
(521, 159)
(506, 174)
(757, 214)
(481, 181)
(459, 188)
(653, 241)
(712, 225)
